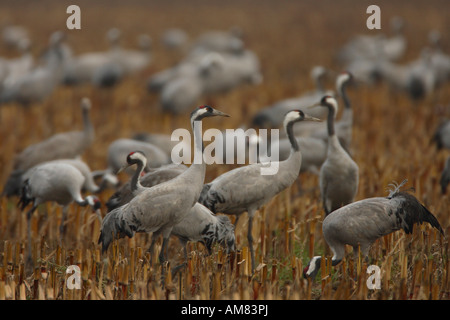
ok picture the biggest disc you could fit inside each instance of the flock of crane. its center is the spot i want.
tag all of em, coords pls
(163, 198)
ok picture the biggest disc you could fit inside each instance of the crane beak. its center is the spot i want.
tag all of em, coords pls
(220, 113)
(122, 168)
(309, 118)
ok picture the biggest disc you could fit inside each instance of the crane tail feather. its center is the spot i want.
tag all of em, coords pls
(411, 211)
(113, 227)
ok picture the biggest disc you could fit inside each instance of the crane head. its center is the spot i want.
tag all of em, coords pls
(206, 111)
(296, 116)
(136, 157)
(310, 271)
(343, 79)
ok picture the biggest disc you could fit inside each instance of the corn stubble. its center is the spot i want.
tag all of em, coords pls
(390, 142)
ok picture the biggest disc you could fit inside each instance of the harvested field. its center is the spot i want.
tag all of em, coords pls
(391, 142)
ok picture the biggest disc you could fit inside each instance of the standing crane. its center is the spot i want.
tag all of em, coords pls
(65, 145)
(246, 189)
(272, 116)
(59, 182)
(344, 126)
(338, 176)
(361, 223)
(199, 225)
(161, 207)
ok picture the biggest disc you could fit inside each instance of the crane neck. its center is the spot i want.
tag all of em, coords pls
(136, 179)
(330, 121)
(198, 141)
(290, 133)
(87, 125)
(344, 96)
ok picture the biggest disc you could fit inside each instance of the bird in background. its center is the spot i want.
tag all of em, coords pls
(245, 189)
(361, 223)
(339, 174)
(54, 182)
(64, 145)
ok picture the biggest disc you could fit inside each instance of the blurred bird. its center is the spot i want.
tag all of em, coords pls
(272, 116)
(14, 35)
(40, 82)
(442, 135)
(66, 145)
(58, 182)
(120, 148)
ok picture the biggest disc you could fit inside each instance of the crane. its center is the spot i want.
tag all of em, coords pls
(54, 181)
(199, 225)
(361, 223)
(65, 145)
(338, 178)
(246, 189)
(161, 207)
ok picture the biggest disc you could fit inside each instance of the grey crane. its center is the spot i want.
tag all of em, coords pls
(174, 39)
(134, 61)
(445, 176)
(161, 207)
(13, 35)
(95, 67)
(368, 47)
(246, 189)
(161, 140)
(182, 92)
(123, 62)
(344, 126)
(338, 178)
(40, 82)
(59, 182)
(272, 115)
(441, 135)
(312, 159)
(236, 70)
(120, 148)
(219, 41)
(361, 223)
(89, 184)
(65, 145)
(155, 176)
(14, 69)
(199, 225)
(202, 225)
(316, 139)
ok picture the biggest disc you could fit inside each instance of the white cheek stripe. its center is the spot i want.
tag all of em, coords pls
(312, 265)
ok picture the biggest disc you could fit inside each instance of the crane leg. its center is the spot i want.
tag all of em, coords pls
(61, 225)
(29, 214)
(152, 245)
(250, 238)
(182, 265)
(163, 259)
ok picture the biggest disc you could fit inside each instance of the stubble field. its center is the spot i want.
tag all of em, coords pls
(391, 142)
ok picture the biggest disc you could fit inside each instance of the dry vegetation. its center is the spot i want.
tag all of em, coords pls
(391, 143)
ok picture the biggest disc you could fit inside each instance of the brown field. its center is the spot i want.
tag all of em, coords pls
(391, 142)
